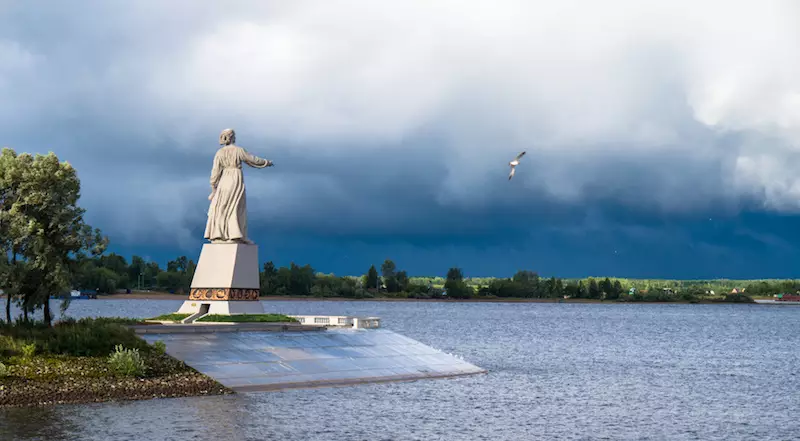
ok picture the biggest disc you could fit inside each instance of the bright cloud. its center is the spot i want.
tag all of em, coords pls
(705, 95)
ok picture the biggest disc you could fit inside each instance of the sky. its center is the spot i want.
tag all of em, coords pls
(662, 138)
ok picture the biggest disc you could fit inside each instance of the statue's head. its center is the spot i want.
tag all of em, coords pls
(227, 137)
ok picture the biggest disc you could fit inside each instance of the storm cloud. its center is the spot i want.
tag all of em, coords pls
(392, 122)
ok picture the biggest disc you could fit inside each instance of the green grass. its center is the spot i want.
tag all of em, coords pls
(84, 337)
(170, 317)
(248, 318)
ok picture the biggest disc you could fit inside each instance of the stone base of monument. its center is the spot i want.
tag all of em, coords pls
(226, 282)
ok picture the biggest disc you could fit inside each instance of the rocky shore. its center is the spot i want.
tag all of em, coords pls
(45, 381)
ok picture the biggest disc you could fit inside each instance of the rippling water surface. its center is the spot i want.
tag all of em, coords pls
(556, 371)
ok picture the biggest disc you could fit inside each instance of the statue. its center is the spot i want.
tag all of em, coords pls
(227, 213)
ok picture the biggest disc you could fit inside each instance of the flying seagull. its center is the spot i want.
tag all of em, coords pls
(514, 164)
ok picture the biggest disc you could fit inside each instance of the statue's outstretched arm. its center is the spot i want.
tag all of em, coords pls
(254, 161)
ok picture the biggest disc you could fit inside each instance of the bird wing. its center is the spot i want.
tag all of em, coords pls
(519, 156)
(511, 175)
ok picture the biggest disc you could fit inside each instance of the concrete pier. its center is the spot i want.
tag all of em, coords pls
(265, 356)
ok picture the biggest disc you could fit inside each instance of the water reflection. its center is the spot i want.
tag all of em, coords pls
(556, 371)
(39, 423)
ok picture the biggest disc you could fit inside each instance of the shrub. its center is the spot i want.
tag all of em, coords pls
(29, 350)
(159, 347)
(3, 371)
(8, 346)
(738, 298)
(126, 362)
(85, 337)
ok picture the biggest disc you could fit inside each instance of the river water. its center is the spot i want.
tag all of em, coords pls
(556, 371)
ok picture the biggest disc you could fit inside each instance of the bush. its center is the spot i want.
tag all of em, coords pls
(85, 337)
(738, 298)
(126, 362)
(159, 347)
(3, 371)
(8, 346)
(29, 350)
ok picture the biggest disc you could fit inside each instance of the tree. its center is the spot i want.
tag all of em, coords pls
(527, 284)
(151, 271)
(606, 289)
(372, 277)
(47, 230)
(616, 290)
(12, 226)
(136, 270)
(402, 281)
(388, 268)
(594, 290)
(178, 265)
(269, 278)
(455, 285)
(301, 279)
(388, 271)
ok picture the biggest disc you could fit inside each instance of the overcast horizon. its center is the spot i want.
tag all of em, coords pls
(662, 139)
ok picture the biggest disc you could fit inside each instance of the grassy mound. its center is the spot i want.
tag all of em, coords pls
(170, 317)
(248, 318)
(90, 360)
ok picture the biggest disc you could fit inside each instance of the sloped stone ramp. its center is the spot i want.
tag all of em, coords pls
(253, 360)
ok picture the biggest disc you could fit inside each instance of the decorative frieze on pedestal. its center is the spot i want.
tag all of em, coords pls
(223, 294)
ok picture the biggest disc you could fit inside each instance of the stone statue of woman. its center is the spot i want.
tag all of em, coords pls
(227, 214)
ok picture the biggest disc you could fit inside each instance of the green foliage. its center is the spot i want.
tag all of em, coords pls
(29, 350)
(159, 347)
(248, 318)
(4, 371)
(455, 286)
(170, 317)
(269, 279)
(372, 278)
(126, 362)
(85, 337)
(738, 298)
(43, 232)
(389, 273)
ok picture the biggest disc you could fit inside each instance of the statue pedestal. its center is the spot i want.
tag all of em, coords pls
(226, 281)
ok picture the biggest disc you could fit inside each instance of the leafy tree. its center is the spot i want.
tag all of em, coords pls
(606, 289)
(594, 289)
(402, 281)
(269, 279)
(372, 277)
(455, 286)
(388, 268)
(48, 235)
(388, 271)
(151, 271)
(301, 279)
(616, 290)
(136, 270)
(172, 281)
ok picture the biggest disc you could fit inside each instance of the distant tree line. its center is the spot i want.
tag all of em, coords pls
(111, 273)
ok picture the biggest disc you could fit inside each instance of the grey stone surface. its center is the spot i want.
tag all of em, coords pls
(258, 360)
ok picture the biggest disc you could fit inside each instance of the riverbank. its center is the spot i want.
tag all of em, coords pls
(73, 363)
(168, 296)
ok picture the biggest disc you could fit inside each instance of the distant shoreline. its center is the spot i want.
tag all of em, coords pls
(167, 296)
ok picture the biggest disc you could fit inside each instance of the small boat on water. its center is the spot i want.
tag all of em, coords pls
(782, 299)
(77, 295)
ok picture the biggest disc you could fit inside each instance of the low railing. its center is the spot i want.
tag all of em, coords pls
(339, 321)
